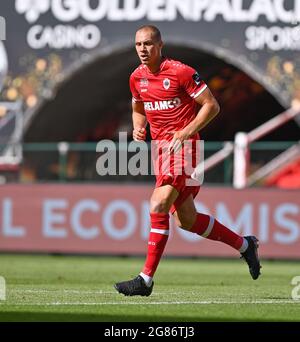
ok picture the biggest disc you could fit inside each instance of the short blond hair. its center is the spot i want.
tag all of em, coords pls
(154, 29)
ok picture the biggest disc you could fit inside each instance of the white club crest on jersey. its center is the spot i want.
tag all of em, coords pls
(144, 82)
(166, 83)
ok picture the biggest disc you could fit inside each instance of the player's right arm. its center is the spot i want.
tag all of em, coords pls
(139, 121)
(138, 112)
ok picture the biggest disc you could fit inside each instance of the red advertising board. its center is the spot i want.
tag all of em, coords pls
(114, 219)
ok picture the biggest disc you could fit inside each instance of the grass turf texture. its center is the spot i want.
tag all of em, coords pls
(67, 288)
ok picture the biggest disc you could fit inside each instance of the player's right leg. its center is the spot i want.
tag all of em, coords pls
(161, 201)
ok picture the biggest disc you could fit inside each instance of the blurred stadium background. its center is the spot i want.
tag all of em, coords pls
(64, 69)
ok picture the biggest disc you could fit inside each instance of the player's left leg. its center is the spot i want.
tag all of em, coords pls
(207, 226)
(187, 218)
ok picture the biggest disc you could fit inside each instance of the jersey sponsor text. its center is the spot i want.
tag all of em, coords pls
(162, 105)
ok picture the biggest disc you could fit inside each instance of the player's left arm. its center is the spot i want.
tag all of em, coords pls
(208, 110)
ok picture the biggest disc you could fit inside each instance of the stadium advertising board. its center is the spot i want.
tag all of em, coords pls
(261, 37)
(2, 28)
(115, 220)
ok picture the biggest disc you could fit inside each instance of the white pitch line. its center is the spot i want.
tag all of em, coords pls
(157, 303)
(55, 291)
(61, 291)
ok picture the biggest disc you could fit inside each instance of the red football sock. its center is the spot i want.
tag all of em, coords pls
(157, 241)
(210, 228)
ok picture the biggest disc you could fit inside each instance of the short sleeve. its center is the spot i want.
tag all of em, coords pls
(136, 97)
(191, 81)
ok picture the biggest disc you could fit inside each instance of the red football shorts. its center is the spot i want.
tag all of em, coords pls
(176, 169)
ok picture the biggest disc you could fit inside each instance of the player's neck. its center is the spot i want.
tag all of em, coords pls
(156, 66)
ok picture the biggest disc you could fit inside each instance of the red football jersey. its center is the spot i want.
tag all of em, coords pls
(168, 96)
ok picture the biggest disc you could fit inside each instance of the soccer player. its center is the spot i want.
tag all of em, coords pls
(177, 104)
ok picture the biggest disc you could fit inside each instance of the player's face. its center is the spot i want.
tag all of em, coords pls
(148, 49)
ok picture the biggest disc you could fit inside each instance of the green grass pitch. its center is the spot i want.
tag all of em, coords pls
(79, 288)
